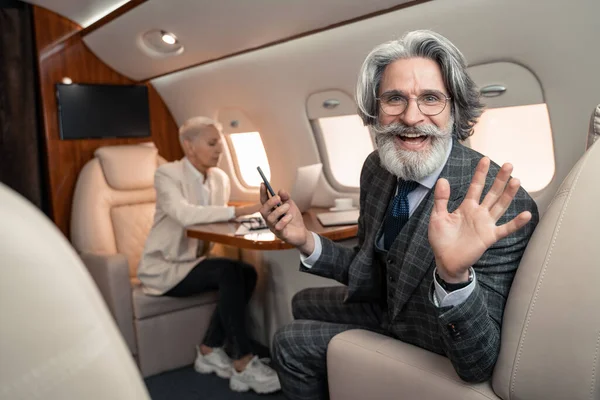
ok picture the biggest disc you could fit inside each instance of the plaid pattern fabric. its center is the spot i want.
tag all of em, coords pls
(469, 333)
(328, 305)
(398, 212)
(299, 348)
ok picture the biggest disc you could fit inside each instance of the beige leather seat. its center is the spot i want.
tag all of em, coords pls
(551, 329)
(113, 209)
(57, 338)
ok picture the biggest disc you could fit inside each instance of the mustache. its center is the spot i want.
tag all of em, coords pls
(398, 129)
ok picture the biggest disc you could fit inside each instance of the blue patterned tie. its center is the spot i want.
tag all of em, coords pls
(397, 214)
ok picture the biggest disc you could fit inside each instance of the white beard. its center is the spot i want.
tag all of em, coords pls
(412, 165)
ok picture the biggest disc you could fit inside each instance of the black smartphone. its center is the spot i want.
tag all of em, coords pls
(267, 184)
(269, 188)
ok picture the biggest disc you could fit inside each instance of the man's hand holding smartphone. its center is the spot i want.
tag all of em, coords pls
(285, 220)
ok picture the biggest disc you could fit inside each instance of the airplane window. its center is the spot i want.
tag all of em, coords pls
(522, 136)
(347, 143)
(249, 152)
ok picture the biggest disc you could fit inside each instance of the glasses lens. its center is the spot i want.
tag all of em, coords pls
(393, 104)
(431, 103)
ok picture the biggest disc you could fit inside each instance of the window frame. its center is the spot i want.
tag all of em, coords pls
(468, 143)
(325, 104)
(323, 154)
(236, 163)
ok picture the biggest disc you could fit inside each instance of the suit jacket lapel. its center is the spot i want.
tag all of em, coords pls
(189, 184)
(365, 278)
(383, 197)
(418, 258)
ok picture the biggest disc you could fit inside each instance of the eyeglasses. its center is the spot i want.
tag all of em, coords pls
(430, 104)
(254, 223)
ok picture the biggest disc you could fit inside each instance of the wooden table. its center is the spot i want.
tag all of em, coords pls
(224, 233)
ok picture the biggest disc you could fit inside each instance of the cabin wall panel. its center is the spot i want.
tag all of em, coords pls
(51, 28)
(66, 157)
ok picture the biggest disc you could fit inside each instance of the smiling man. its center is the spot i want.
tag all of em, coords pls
(441, 228)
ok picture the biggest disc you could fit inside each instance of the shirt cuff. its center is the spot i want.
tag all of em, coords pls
(231, 212)
(445, 299)
(309, 261)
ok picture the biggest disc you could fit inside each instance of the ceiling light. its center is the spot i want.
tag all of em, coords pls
(168, 38)
(160, 43)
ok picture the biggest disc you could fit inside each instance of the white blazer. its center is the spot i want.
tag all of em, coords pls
(169, 255)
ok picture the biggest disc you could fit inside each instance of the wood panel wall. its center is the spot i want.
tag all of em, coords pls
(62, 53)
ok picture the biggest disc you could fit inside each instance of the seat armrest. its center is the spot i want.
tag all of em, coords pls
(367, 365)
(111, 275)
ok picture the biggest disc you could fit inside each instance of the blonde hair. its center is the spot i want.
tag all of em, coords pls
(193, 127)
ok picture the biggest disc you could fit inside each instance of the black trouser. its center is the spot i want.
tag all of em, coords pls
(235, 283)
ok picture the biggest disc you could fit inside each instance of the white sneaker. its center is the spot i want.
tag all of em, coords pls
(256, 376)
(217, 361)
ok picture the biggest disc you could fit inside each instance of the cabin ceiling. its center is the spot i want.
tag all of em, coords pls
(82, 12)
(207, 29)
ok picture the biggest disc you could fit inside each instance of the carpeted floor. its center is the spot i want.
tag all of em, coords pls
(187, 384)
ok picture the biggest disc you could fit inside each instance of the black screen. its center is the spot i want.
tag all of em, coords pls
(102, 111)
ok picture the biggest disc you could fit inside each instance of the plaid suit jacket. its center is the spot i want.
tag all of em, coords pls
(469, 333)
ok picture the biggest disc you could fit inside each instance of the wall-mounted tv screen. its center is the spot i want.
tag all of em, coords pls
(88, 111)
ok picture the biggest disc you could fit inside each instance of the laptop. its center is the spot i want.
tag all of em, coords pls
(349, 217)
(305, 185)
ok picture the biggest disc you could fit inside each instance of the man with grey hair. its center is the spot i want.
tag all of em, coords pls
(433, 266)
(194, 191)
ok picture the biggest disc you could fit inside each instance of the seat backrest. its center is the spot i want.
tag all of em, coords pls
(551, 330)
(594, 133)
(114, 202)
(57, 338)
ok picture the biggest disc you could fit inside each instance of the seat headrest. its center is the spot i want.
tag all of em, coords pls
(58, 339)
(594, 133)
(128, 167)
(536, 359)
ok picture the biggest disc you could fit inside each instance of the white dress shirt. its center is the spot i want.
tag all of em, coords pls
(441, 298)
(204, 187)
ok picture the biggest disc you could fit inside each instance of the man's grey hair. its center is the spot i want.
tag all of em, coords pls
(425, 44)
(193, 127)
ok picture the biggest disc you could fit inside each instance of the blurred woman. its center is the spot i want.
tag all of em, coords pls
(194, 191)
